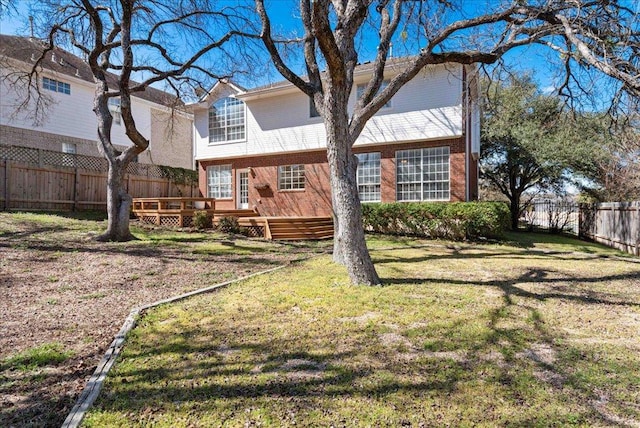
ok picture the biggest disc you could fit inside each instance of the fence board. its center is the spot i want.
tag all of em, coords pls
(32, 187)
(616, 224)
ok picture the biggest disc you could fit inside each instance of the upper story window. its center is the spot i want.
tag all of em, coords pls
(114, 109)
(423, 174)
(56, 86)
(227, 120)
(219, 181)
(360, 90)
(291, 177)
(368, 177)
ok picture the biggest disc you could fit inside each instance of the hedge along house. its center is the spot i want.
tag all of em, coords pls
(265, 148)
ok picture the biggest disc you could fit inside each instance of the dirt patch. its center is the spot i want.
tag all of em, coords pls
(360, 319)
(60, 286)
(395, 340)
(541, 353)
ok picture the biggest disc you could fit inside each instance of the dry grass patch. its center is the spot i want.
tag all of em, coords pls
(489, 335)
(65, 295)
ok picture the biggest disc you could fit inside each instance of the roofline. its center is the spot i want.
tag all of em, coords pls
(285, 87)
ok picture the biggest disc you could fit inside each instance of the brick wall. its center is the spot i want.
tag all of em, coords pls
(315, 199)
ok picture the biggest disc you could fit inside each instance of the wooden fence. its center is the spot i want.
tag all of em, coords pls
(555, 216)
(616, 224)
(35, 179)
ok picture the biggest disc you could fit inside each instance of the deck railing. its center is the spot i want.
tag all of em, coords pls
(171, 211)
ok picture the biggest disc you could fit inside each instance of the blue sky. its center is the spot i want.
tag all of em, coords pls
(533, 59)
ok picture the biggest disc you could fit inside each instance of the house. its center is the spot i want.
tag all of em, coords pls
(68, 124)
(265, 148)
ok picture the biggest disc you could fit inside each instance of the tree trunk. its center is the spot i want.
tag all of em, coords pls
(514, 206)
(349, 248)
(118, 205)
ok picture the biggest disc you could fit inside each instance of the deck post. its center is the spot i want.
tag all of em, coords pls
(267, 229)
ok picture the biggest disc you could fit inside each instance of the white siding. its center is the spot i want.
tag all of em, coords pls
(428, 107)
(69, 115)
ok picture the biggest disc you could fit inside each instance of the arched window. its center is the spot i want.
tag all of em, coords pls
(226, 120)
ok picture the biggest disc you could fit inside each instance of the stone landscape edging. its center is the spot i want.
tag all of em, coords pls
(94, 385)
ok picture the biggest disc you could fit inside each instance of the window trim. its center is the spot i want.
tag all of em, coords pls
(379, 176)
(226, 127)
(219, 167)
(292, 189)
(422, 181)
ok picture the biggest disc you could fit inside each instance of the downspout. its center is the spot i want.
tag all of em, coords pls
(194, 145)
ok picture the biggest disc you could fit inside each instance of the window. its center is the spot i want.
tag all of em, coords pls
(69, 151)
(313, 112)
(360, 90)
(423, 174)
(291, 177)
(56, 86)
(69, 148)
(219, 181)
(226, 120)
(114, 109)
(368, 177)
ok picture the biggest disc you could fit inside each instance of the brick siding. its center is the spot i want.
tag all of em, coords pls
(315, 199)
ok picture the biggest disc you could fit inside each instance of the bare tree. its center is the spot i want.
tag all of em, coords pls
(157, 41)
(599, 34)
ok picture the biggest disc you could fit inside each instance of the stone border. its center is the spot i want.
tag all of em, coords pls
(94, 385)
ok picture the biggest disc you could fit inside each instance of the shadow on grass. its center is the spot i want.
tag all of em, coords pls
(205, 374)
(532, 276)
(209, 376)
(42, 402)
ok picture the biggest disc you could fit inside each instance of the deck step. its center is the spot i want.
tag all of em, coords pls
(298, 228)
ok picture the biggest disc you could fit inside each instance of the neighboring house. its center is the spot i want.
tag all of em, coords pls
(68, 124)
(265, 148)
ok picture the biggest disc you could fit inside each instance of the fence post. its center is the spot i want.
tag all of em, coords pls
(76, 189)
(7, 166)
(638, 229)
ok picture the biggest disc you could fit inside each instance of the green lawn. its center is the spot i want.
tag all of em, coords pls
(528, 334)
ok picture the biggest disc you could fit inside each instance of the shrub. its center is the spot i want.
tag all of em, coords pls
(228, 224)
(449, 220)
(201, 220)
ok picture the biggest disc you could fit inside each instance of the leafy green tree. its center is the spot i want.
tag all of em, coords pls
(521, 141)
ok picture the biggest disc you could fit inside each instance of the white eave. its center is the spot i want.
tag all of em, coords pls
(286, 87)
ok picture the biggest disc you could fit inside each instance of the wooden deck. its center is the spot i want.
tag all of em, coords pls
(178, 212)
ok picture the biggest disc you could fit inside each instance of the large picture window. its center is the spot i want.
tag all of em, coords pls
(219, 181)
(227, 120)
(369, 177)
(423, 174)
(291, 177)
